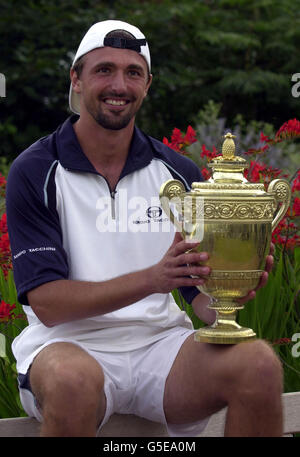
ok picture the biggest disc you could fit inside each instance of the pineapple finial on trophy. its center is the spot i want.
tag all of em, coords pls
(228, 148)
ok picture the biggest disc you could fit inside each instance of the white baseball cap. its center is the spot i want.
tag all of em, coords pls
(96, 38)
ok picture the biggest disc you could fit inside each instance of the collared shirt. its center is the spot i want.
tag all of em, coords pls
(65, 222)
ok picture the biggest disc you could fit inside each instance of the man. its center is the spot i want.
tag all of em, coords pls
(95, 262)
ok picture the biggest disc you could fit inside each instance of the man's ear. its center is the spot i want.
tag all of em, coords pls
(149, 82)
(75, 81)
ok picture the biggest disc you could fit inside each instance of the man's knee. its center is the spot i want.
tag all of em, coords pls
(258, 372)
(64, 374)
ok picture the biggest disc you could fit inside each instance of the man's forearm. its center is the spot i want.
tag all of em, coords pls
(67, 300)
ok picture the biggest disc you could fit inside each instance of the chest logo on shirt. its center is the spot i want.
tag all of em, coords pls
(135, 214)
(154, 212)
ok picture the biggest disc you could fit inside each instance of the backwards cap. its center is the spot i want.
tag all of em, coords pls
(96, 37)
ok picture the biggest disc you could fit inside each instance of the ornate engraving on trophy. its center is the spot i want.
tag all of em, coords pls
(217, 210)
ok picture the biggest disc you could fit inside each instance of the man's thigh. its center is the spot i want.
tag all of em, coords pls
(204, 376)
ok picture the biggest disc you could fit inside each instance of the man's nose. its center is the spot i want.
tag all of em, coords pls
(119, 82)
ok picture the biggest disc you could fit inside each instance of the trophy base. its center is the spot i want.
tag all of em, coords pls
(225, 330)
(222, 336)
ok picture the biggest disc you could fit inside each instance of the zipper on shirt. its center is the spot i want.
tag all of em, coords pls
(113, 204)
(112, 198)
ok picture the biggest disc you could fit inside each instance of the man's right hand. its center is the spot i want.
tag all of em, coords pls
(177, 265)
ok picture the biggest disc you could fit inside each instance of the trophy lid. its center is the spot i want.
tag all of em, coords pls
(228, 171)
(228, 167)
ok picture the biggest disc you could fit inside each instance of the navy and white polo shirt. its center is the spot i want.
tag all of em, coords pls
(66, 223)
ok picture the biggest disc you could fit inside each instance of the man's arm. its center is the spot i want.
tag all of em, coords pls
(66, 300)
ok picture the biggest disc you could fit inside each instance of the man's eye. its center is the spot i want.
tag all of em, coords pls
(134, 73)
(102, 70)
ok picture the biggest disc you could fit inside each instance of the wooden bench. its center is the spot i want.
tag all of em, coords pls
(123, 425)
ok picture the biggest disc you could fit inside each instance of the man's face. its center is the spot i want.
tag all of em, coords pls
(112, 86)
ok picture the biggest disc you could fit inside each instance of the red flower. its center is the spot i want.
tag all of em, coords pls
(190, 136)
(285, 234)
(282, 341)
(209, 154)
(254, 173)
(257, 151)
(3, 224)
(6, 313)
(296, 182)
(166, 141)
(205, 173)
(290, 129)
(5, 254)
(264, 138)
(4, 243)
(2, 181)
(293, 242)
(176, 136)
(296, 207)
(179, 141)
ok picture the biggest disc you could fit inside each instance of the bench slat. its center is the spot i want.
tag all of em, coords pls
(128, 425)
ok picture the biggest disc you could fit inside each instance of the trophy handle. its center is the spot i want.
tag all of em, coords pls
(282, 193)
(171, 190)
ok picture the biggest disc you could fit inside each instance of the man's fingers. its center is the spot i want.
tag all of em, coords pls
(192, 270)
(190, 258)
(251, 294)
(247, 297)
(177, 238)
(269, 263)
(263, 280)
(182, 246)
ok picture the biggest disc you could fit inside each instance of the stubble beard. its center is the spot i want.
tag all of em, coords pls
(111, 121)
(108, 122)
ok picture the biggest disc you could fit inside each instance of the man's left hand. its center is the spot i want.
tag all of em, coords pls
(264, 277)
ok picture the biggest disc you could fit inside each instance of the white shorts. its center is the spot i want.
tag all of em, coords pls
(134, 382)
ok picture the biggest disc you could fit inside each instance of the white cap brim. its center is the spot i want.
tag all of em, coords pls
(74, 101)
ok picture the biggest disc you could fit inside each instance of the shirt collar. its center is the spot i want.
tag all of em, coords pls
(72, 157)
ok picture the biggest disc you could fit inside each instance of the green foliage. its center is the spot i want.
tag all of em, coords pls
(10, 405)
(274, 313)
(240, 53)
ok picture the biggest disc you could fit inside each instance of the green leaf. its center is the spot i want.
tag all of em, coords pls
(2, 345)
(297, 258)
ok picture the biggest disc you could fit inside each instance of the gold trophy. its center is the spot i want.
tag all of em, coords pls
(234, 219)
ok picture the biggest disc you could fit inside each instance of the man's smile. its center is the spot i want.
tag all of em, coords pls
(115, 102)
